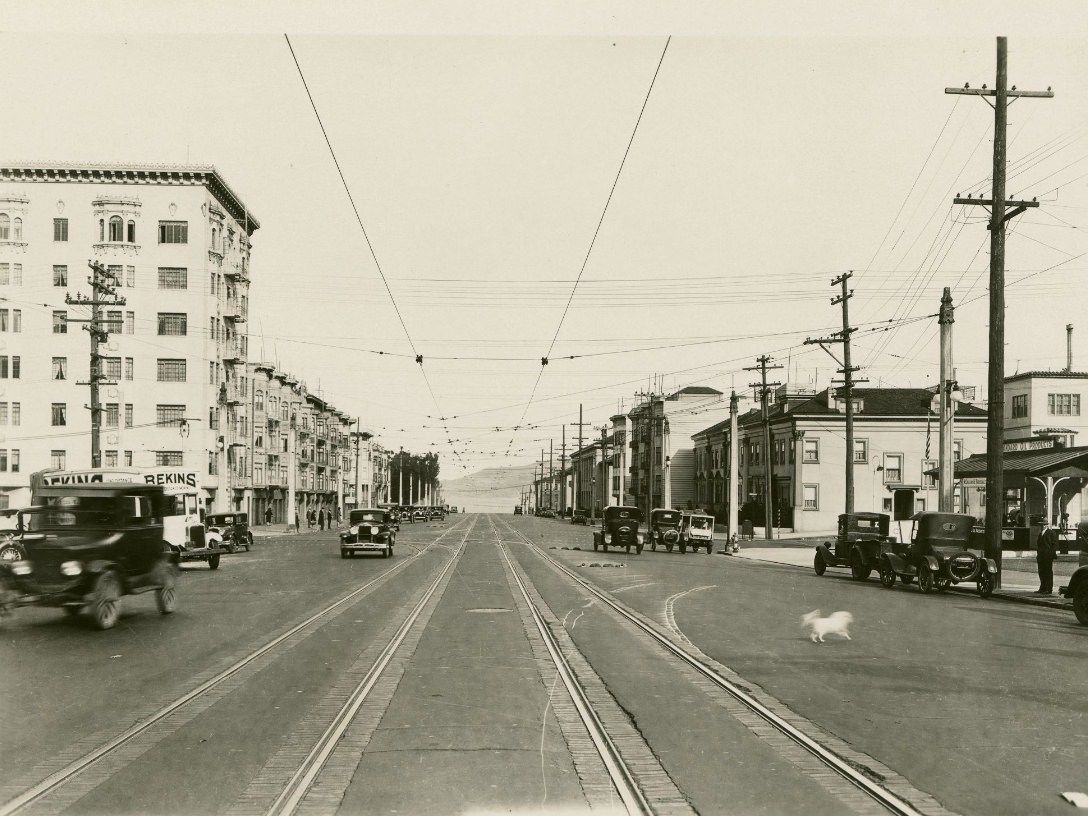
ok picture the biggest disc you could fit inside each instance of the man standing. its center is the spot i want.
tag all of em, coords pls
(268, 514)
(1046, 549)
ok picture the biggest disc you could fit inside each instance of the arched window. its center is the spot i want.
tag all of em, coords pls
(213, 239)
(101, 230)
(117, 229)
(18, 229)
(5, 227)
(132, 232)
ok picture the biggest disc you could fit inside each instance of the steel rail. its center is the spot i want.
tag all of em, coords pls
(73, 769)
(877, 792)
(302, 780)
(622, 778)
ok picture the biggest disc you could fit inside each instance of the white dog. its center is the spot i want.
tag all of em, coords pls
(837, 623)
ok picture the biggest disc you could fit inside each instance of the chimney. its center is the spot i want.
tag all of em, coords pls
(1069, 347)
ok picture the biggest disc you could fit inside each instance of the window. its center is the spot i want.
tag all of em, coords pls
(16, 320)
(211, 373)
(114, 322)
(128, 368)
(811, 495)
(173, 277)
(128, 414)
(4, 315)
(60, 322)
(111, 458)
(130, 322)
(173, 323)
(1019, 406)
(60, 275)
(113, 414)
(861, 450)
(111, 368)
(60, 229)
(9, 367)
(131, 236)
(5, 274)
(929, 480)
(1063, 404)
(60, 414)
(18, 229)
(15, 461)
(128, 458)
(101, 230)
(60, 368)
(114, 271)
(893, 468)
(173, 232)
(130, 276)
(957, 449)
(57, 459)
(811, 450)
(171, 371)
(169, 415)
(3, 413)
(16, 413)
(117, 229)
(920, 506)
(168, 458)
(16, 274)
(5, 227)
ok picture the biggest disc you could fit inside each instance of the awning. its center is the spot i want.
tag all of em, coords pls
(1056, 462)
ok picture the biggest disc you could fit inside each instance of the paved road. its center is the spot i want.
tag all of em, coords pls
(978, 703)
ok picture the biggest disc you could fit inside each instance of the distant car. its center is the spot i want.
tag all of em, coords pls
(518, 511)
(665, 529)
(233, 527)
(619, 528)
(369, 530)
(579, 517)
(696, 530)
(97, 543)
(419, 514)
(453, 509)
(436, 513)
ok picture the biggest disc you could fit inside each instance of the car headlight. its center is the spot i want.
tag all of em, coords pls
(354, 530)
(71, 568)
(373, 530)
(21, 567)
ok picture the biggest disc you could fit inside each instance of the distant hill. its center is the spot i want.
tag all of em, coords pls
(494, 490)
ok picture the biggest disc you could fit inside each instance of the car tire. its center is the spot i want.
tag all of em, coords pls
(106, 600)
(683, 548)
(1080, 603)
(926, 581)
(819, 566)
(887, 575)
(213, 561)
(986, 585)
(10, 551)
(859, 570)
(166, 596)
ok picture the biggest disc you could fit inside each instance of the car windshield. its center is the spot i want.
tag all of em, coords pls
(702, 523)
(365, 516)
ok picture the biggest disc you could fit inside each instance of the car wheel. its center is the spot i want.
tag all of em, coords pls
(683, 548)
(249, 543)
(166, 596)
(858, 568)
(213, 561)
(1080, 603)
(819, 566)
(10, 551)
(986, 585)
(887, 575)
(925, 579)
(106, 600)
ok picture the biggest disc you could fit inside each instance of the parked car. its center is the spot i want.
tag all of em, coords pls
(94, 544)
(419, 514)
(696, 530)
(436, 513)
(518, 511)
(453, 509)
(665, 529)
(937, 555)
(369, 530)
(858, 543)
(619, 528)
(579, 517)
(233, 527)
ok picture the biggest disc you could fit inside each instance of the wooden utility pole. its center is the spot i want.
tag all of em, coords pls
(847, 370)
(102, 283)
(764, 388)
(551, 474)
(577, 487)
(995, 391)
(733, 496)
(563, 474)
(947, 407)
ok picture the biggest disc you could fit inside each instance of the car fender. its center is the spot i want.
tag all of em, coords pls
(825, 551)
(932, 562)
(897, 562)
(98, 566)
(1078, 579)
(991, 565)
(212, 539)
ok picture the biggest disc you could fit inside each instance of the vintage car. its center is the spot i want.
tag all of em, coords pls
(419, 514)
(369, 530)
(517, 510)
(619, 528)
(696, 530)
(937, 555)
(858, 544)
(15, 525)
(579, 517)
(665, 529)
(436, 513)
(89, 545)
(234, 529)
(1077, 591)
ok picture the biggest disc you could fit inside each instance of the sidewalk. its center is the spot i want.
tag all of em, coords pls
(1019, 576)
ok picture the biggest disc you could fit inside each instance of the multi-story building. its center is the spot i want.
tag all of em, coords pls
(176, 244)
(662, 453)
(895, 451)
(1047, 403)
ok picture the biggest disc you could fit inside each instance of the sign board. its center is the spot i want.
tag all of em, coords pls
(973, 481)
(1028, 444)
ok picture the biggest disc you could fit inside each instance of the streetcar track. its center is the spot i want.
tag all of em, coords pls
(868, 781)
(124, 747)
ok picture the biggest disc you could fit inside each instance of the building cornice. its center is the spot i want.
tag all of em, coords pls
(156, 174)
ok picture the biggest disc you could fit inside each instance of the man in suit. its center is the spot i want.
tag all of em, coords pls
(1045, 551)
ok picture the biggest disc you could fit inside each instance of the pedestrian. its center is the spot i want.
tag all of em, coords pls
(1045, 550)
(298, 527)
(311, 517)
(268, 514)
(321, 519)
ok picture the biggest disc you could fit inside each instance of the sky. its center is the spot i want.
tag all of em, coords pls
(649, 199)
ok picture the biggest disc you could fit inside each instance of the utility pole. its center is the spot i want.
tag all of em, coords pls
(847, 370)
(563, 474)
(551, 474)
(995, 392)
(606, 482)
(763, 386)
(400, 478)
(102, 283)
(947, 406)
(733, 496)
